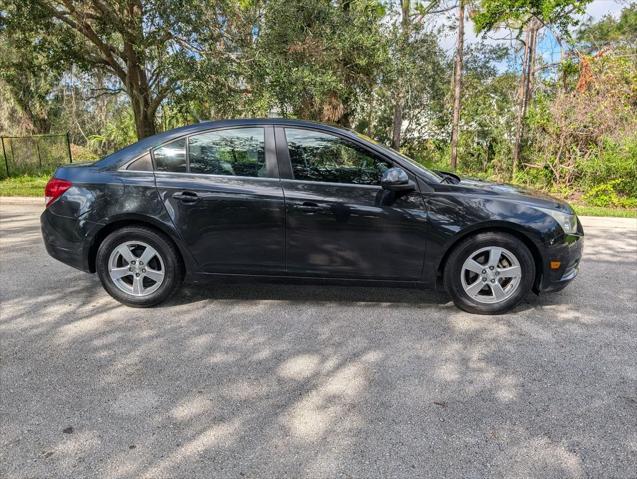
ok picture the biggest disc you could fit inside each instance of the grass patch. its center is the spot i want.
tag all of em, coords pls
(24, 185)
(583, 210)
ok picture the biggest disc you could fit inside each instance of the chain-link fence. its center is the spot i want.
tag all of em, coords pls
(34, 154)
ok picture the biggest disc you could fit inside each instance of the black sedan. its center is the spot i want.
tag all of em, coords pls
(276, 198)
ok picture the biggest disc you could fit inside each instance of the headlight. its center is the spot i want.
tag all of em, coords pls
(566, 221)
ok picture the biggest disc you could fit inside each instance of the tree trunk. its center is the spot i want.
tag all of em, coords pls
(139, 92)
(397, 124)
(143, 115)
(457, 86)
(524, 94)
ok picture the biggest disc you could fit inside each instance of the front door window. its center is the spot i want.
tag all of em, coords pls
(318, 156)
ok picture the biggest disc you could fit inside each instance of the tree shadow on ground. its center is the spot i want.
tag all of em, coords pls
(254, 380)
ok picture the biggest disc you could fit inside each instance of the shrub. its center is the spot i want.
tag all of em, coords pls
(606, 194)
(81, 154)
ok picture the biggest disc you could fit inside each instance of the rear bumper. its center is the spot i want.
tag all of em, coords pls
(569, 254)
(65, 239)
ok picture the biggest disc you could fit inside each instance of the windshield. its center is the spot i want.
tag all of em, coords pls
(421, 169)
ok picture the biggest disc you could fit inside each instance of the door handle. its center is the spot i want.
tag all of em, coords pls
(186, 197)
(309, 205)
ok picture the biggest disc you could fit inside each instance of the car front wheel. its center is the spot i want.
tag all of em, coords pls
(489, 273)
(138, 266)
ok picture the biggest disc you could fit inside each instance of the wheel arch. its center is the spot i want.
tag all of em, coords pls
(509, 228)
(124, 221)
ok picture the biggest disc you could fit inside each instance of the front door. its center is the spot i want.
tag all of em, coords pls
(222, 191)
(340, 222)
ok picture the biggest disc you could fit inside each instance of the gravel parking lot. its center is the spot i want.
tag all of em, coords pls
(248, 380)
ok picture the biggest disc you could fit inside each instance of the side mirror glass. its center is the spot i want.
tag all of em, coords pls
(396, 179)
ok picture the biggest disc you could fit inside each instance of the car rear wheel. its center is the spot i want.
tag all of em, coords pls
(138, 266)
(489, 273)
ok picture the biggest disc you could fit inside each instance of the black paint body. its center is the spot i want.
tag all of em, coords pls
(282, 227)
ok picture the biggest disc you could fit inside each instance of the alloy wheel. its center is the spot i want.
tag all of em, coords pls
(136, 268)
(491, 275)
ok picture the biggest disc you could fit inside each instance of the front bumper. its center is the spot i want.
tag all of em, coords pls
(569, 253)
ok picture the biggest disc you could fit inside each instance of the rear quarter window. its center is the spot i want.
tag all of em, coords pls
(171, 156)
(143, 163)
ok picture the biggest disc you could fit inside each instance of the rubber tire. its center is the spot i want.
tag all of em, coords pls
(461, 252)
(165, 247)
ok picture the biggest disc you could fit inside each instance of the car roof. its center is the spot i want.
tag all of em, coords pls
(136, 149)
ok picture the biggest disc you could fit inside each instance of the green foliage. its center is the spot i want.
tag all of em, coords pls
(416, 76)
(364, 64)
(116, 134)
(611, 31)
(318, 58)
(488, 113)
(613, 167)
(587, 139)
(30, 66)
(82, 154)
(13, 120)
(606, 194)
(559, 13)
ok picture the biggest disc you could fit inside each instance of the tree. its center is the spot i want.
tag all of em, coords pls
(125, 38)
(414, 71)
(226, 69)
(319, 59)
(524, 92)
(488, 112)
(403, 42)
(31, 70)
(457, 85)
(527, 16)
(593, 36)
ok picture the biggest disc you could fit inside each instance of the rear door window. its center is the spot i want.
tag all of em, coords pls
(231, 152)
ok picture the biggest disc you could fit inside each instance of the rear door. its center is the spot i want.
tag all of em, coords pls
(222, 191)
(340, 222)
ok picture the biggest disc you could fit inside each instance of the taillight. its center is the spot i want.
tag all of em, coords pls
(54, 189)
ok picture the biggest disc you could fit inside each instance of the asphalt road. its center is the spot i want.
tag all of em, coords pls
(298, 381)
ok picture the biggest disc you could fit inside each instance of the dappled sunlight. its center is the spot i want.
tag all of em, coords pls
(463, 324)
(246, 389)
(314, 381)
(190, 408)
(334, 401)
(132, 403)
(217, 358)
(221, 434)
(612, 240)
(300, 367)
(82, 327)
(80, 446)
(540, 457)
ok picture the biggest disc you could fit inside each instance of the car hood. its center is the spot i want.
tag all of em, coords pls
(516, 193)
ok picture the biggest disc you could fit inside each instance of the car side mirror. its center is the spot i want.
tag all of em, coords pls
(396, 179)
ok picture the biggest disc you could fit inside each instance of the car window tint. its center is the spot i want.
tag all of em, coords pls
(235, 152)
(171, 156)
(143, 163)
(317, 156)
